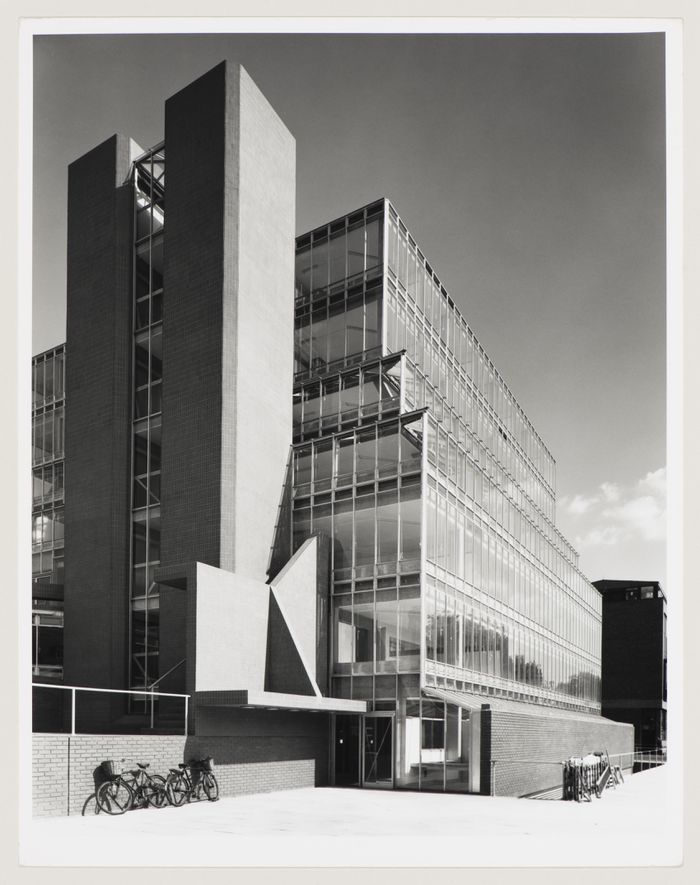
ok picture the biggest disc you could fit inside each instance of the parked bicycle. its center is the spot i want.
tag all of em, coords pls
(190, 780)
(130, 788)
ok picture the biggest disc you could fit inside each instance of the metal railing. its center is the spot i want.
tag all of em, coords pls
(646, 759)
(148, 693)
(160, 679)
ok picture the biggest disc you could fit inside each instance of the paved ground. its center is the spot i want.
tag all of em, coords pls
(629, 825)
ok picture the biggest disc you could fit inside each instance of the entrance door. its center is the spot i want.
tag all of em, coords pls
(347, 751)
(378, 750)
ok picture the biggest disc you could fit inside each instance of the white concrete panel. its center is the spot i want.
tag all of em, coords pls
(295, 592)
(231, 630)
(258, 364)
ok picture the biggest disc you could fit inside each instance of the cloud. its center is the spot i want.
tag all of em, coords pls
(611, 491)
(579, 504)
(614, 514)
(607, 536)
(654, 483)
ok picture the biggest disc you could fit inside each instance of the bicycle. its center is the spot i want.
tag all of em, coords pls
(190, 779)
(120, 793)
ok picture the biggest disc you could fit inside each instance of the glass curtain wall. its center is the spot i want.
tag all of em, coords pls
(433, 746)
(362, 488)
(447, 568)
(507, 610)
(338, 292)
(423, 294)
(48, 413)
(359, 395)
(149, 206)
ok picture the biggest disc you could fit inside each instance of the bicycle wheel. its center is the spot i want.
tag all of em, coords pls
(154, 791)
(211, 787)
(90, 806)
(115, 797)
(176, 789)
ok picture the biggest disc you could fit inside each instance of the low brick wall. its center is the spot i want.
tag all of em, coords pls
(528, 750)
(63, 765)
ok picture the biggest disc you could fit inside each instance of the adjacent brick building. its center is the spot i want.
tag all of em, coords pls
(634, 659)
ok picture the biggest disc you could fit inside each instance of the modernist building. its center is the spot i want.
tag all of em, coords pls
(324, 517)
(634, 659)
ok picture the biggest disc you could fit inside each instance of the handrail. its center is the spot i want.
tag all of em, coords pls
(153, 684)
(75, 688)
(108, 690)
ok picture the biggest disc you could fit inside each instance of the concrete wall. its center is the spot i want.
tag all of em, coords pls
(98, 402)
(231, 631)
(261, 360)
(295, 591)
(528, 750)
(228, 322)
(301, 590)
(259, 754)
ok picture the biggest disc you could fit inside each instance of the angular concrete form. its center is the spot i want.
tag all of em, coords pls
(227, 346)
(240, 634)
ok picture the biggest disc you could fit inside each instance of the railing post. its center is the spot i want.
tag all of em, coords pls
(152, 702)
(72, 711)
(187, 700)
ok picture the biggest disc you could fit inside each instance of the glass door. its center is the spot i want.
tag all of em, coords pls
(378, 750)
(347, 750)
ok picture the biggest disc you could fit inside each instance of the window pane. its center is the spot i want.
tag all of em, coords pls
(374, 239)
(343, 636)
(411, 455)
(345, 451)
(372, 322)
(387, 450)
(330, 401)
(354, 322)
(303, 272)
(337, 250)
(302, 466)
(370, 390)
(342, 530)
(386, 637)
(350, 393)
(356, 251)
(323, 464)
(365, 454)
(364, 529)
(387, 526)
(319, 273)
(410, 517)
(364, 631)
(409, 633)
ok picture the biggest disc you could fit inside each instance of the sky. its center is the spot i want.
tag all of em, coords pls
(529, 168)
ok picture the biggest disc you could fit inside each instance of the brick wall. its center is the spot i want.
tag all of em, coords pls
(632, 652)
(63, 765)
(528, 750)
(98, 427)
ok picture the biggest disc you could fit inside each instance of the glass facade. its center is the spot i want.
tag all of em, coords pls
(149, 206)
(48, 411)
(47, 637)
(412, 455)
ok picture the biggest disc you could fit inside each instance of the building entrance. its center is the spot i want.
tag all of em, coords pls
(378, 750)
(347, 751)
